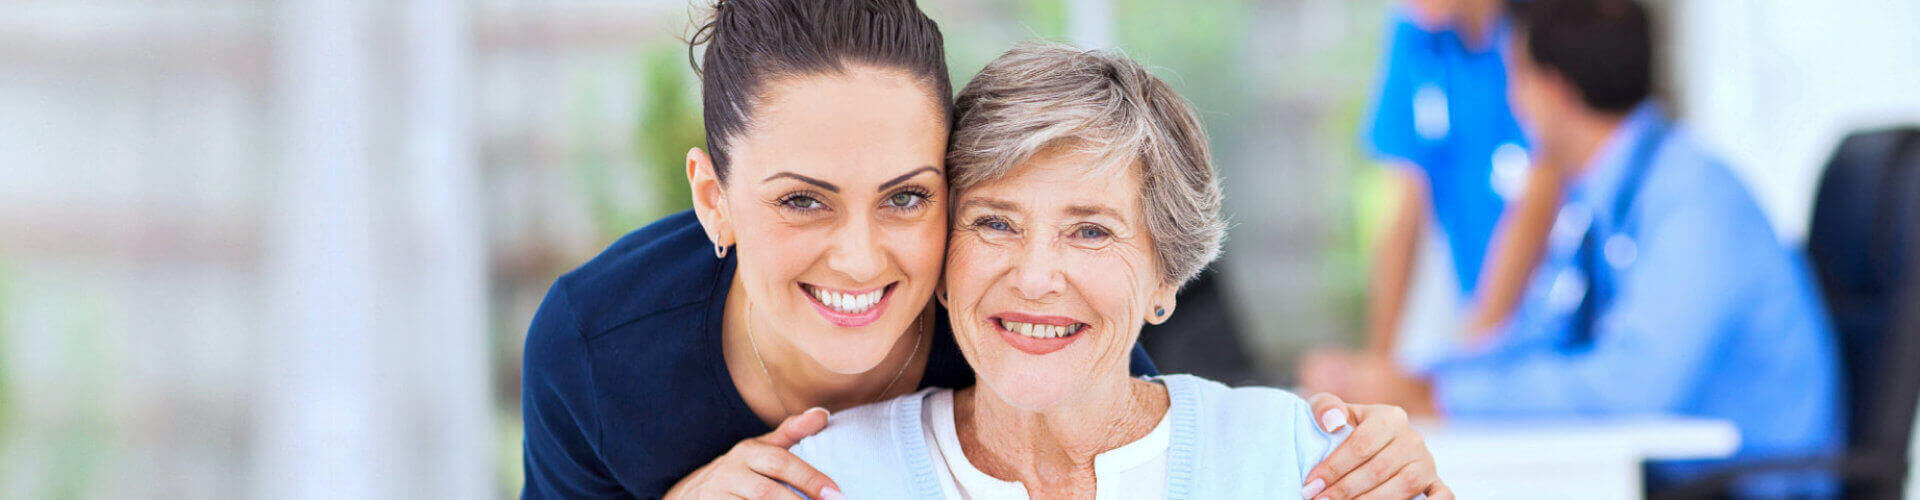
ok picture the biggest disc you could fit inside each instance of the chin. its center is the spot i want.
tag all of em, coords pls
(851, 351)
(1034, 388)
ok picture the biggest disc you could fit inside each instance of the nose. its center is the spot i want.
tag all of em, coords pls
(856, 252)
(1036, 275)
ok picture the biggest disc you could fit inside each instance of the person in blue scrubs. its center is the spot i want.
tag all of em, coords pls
(686, 358)
(1442, 119)
(1664, 288)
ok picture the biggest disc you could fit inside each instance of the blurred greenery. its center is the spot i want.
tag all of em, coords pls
(621, 198)
(6, 390)
(670, 123)
(84, 431)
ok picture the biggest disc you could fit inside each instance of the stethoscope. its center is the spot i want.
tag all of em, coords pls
(1600, 255)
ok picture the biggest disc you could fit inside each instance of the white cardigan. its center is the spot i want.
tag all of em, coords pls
(1252, 442)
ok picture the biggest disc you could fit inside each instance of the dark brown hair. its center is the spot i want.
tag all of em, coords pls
(1603, 47)
(751, 43)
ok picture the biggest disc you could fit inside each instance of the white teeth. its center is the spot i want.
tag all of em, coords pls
(848, 303)
(1040, 331)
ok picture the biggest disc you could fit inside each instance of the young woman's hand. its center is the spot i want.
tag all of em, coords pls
(762, 467)
(1384, 458)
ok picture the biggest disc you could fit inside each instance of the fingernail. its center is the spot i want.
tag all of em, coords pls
(831, 494)
(821, 410)
(1313, 488)
(1333, 419)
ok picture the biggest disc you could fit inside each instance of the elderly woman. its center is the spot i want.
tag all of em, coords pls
(1083, 197)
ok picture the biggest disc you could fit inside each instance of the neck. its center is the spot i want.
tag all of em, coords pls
(1052, 450)
(1585, 134)
(792, 381)
(1476, 20)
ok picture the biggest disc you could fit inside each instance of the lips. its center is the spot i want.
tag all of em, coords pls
(1038, 335)
(849, 308)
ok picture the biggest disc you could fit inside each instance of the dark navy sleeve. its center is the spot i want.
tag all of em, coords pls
(557, 401)
(1390, 131)
(1141, 366)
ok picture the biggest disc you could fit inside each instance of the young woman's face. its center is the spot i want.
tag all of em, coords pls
(1049, 278)
(835, 201)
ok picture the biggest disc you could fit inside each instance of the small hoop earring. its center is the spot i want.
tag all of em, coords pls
(719, 251)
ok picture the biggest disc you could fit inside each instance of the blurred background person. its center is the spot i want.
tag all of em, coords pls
(1470, 213)
(1664, 288)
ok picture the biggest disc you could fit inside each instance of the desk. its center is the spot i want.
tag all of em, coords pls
(1567, 459)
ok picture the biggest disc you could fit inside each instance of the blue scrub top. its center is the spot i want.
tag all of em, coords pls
(624, 387)
(1710, 316)
(1442, 107)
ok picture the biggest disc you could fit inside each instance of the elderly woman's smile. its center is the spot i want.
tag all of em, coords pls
(1034, 334)
(1049, 274)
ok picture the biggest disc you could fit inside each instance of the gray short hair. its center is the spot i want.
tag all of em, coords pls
(1042, 95)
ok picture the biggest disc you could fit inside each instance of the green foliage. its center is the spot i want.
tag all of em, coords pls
(625, 193)
(1197, 54)
(1047, 18)
(6, 392)
(670, 124)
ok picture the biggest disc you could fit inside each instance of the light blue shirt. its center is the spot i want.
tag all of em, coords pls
(1709, 315)
(1251, 442)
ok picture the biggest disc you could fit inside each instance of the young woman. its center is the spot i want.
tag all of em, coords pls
(684, 359)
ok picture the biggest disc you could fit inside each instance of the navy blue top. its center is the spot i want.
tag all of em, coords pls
(625, 389)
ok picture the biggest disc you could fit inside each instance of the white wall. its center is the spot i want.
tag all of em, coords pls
(1772, 85)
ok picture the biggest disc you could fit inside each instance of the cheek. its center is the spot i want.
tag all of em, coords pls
(921, 248)
(970, 264)
(1114, 282)
(771, 251)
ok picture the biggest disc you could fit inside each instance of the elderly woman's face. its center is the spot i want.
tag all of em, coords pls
(1050, 273)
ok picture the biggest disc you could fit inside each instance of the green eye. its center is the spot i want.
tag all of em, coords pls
(905, 199)
(803, 202)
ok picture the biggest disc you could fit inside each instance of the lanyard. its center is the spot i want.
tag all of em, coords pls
(1591, 257)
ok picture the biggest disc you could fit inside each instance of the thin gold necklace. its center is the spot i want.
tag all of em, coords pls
(784, 412)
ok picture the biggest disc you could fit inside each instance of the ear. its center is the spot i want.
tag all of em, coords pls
(709, 198)
(1161, 306)
(1560, 91)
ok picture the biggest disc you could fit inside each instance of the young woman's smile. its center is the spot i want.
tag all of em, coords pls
(850, 308)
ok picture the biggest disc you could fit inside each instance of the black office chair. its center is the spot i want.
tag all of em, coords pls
(1864, 244)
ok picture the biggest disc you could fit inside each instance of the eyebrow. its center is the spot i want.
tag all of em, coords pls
(904, 177)
(809, 180)
(991, 204)
(1086, 210)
